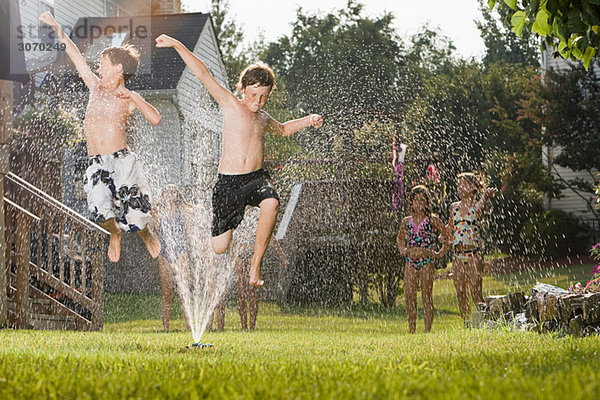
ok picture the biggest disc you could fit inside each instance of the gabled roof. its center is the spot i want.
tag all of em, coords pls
(160, 68)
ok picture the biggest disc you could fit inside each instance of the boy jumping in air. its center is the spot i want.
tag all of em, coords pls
(117, 192)
(242, 180)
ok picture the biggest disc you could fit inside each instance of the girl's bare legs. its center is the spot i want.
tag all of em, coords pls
(185, 286)
(475, 276)
(253, 306)
(242, 291)
(166, 285)
(264, 230)
(151, 242)
(220, 313)
(411, 282)
(427, 273)
(460, 279)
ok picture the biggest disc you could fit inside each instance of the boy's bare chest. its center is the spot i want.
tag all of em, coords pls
(106, 105)
(247, 127)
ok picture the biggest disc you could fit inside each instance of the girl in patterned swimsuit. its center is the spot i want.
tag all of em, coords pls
(467, 265)
(170, 217)
(416, 241)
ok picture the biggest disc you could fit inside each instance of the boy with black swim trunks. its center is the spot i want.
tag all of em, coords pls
(242, 180)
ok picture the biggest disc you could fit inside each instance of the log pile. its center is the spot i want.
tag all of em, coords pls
(547, 309)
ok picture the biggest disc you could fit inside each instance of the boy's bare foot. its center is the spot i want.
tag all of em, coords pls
(151, 242)
(114, 247)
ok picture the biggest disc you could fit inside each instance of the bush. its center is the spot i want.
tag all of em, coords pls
(555, 233)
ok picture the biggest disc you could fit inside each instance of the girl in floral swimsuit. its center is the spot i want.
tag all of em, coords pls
(416, 241)
(467, 265)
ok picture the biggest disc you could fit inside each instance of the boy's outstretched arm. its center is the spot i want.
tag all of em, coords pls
(137, 101)
(290, 127)
(84, 70)
(199, 69)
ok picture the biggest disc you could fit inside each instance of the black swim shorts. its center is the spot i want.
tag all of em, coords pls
(231, 195)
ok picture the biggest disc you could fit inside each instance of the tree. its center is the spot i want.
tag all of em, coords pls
(229, 36)
(568, 106)
(572, 25)
(501, 43)
(341, 65)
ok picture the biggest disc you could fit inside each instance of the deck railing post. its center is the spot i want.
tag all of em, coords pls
(6, 88)
(23, 253)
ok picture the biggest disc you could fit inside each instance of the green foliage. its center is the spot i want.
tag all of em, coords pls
(502, 45)
(555, 233)
(48, 124)
(341, 65)
(571, 117)
(567, 106)
(230, 37)
(597, 192)
(572, 26)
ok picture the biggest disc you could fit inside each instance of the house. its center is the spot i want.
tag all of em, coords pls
(183, 149)
(572, 200)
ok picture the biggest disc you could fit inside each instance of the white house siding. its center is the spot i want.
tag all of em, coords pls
(66, 13)
(160, 148)
(570, 201)
(202, 116)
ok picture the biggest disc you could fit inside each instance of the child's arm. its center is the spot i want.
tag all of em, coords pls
(290, 127)
(420, 252)
(441, 228)
(480, 206)
(199, 69)
(277, 246)
(153, 225)
(137, 101)
(401, 238)
(450, 224)
(84, 70)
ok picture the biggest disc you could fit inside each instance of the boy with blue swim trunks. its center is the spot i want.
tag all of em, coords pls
(117, 193)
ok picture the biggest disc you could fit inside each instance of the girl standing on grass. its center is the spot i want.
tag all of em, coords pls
(170, 219)
(464, 224)
(416, 240)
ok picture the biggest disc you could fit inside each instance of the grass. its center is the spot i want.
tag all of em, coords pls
(304, 354)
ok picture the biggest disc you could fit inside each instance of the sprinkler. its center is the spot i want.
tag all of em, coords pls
(198, 344)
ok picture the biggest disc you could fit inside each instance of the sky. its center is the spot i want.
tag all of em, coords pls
(457, 22)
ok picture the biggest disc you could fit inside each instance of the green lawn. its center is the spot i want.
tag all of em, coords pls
(308, 354)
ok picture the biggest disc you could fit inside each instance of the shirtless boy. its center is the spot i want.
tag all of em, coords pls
(242, 180)
(117, 192)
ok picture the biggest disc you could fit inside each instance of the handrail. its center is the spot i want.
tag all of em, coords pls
(55, 203)
(21, 209)
(67, 249)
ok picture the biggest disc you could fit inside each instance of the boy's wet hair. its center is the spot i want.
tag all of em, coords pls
(127, 56)
(418, 190)
(474, 179)
(259, 73)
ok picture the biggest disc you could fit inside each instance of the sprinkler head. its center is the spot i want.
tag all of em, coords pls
(198, 344)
